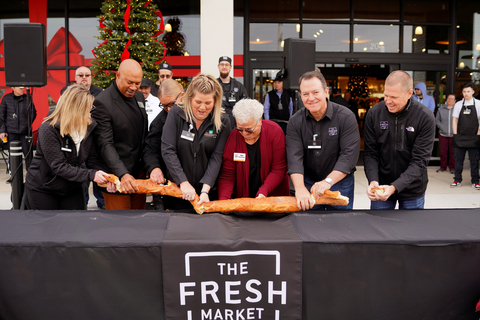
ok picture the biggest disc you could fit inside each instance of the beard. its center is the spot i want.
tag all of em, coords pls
(224, 75)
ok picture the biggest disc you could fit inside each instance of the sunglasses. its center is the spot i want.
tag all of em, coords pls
(247, 130)
(84, 75)
(168, 76)
(169, 105)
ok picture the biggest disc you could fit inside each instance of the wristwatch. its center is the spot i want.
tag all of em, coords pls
(329, 181)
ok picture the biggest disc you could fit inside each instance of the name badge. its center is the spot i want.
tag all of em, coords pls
(280, 107)
(232, 99)
(467, 111)
(66, 149)
(239, 157)
(187, 135)
(314, 144)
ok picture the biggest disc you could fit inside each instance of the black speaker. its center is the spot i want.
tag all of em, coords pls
(25, 55)
(299, 58)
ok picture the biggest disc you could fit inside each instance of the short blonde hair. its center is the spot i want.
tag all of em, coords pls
(400, 76)
(205, 84)
(72, 111)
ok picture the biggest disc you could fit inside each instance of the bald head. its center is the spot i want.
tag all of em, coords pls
(402, 78)
(83, 76)
(129, 77)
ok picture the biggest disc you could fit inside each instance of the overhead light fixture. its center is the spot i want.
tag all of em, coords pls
(462, 65)
(258, 40)
(477, 47)
(282, 43)
(381, 43)
(315, 35)
(298, 27)
(423, 50)
(168, 27)
(365, 49)
(321, 31)
(356, 39)
(418, 30)
(414, 39)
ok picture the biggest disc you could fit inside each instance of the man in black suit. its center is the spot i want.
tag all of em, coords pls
(120, 134)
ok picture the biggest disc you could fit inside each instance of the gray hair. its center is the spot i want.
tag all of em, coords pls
(247, 109)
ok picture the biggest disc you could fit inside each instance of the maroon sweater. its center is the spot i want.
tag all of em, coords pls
(234, 175)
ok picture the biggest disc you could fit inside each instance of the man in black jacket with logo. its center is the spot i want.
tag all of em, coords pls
(233, 91)
(120, 134)
(399, 136)
(14, 119)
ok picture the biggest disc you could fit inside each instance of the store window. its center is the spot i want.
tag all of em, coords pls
(425, 39)
(324, 10)
(375, 38)
(271, 36)
(426, 11)
(377, 10)
(328, 37)
(275, 9)
(468, 35)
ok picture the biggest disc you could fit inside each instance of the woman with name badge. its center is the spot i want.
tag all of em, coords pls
(193, 139)
(254, 161)
(54, 179)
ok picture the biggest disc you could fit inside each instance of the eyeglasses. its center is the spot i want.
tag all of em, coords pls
(169, 105)
(247, 130)
(93, 108)
(168, 76)
(84, 75)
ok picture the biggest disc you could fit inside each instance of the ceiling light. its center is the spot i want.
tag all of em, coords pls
(418, 30)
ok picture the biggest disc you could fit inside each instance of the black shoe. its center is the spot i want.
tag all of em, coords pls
(9, 180)
(101, 207)
(452, 171)
(440, 170)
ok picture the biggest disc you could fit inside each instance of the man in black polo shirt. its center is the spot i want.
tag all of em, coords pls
(323, 145)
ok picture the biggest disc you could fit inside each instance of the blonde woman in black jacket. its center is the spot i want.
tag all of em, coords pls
(54, 180)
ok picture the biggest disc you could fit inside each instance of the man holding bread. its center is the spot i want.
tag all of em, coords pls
(399, 136)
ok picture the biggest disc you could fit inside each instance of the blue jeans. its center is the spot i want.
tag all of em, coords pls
(417, 203)
(346, 186)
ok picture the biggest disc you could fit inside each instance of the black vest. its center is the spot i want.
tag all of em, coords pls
(277, 113)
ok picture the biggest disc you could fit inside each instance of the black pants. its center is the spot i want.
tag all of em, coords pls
(459, 155)
(25, 148)
(35, 200)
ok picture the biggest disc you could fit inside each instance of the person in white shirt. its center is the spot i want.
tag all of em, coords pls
(153, 105)
(466, 135)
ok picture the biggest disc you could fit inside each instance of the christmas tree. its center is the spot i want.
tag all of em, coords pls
(128, 29)
(358, 86)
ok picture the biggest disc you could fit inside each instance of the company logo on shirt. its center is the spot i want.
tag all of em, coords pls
(410, 129)
(384, 125)
(332, 131)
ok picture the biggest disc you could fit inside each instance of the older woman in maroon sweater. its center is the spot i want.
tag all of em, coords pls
(254, 161)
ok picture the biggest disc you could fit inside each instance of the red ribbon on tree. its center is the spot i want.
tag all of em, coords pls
(101, 44)
(126, 53)
(127, 16)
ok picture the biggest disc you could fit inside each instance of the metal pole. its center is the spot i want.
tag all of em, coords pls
(29, 126)
(16, 165)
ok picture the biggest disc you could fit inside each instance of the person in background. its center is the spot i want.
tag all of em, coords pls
(254, 160)
(337, 97)
(164, 73)
(352, 104)
(278, 105)
(65, 141)
(399, 137)
(171, 93)
(233, 91)
(193, 140)
(323, 145)
(444, 119)
(152, 103)
(83, 76)
(14, 121)
(466, 135)
(422, 97)
(120, 135)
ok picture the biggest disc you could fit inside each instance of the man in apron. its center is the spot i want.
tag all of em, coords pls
(466, 135)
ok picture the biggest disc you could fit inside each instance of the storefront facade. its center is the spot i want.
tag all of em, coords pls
(437, 41)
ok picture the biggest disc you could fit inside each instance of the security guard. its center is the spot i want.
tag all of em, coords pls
(233, 90)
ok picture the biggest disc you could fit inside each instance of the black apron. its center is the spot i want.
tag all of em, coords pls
(467, 127)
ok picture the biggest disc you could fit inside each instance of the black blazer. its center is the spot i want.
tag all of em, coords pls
(119, 138)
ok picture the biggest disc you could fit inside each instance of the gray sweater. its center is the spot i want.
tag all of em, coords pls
(444, 120)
